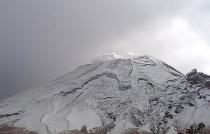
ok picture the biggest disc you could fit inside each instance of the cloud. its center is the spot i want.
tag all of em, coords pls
(186, 48)
(112, 56)
(72, 32)
(175, 42)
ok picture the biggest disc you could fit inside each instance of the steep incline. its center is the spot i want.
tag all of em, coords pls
(143, 92)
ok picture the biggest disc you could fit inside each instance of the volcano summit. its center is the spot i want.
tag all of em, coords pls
(142, 93)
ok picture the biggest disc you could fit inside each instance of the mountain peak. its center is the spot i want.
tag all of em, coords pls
(142, 93)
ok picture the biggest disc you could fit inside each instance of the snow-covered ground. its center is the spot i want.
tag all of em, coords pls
(142, 93)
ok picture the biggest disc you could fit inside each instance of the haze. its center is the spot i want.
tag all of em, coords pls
(42, 40)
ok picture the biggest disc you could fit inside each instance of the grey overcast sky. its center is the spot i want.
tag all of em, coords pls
(42, 40)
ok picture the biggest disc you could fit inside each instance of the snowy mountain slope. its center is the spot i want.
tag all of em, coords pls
(140, 93)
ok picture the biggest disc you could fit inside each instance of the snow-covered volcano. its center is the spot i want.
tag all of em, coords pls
(142, 93)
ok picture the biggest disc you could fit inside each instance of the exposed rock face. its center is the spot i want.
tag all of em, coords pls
(195, 77)
(142, 93)
(200, 82)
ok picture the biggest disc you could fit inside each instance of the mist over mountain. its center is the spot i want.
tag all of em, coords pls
(142, 93)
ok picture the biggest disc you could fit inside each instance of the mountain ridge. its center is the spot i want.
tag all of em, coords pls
(143, 93)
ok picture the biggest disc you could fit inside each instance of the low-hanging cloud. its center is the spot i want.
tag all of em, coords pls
(72, 32)
(112, 56)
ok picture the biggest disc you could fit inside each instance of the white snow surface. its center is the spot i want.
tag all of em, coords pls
(131, 93)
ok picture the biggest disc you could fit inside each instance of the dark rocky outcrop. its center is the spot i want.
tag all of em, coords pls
(195, 77)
